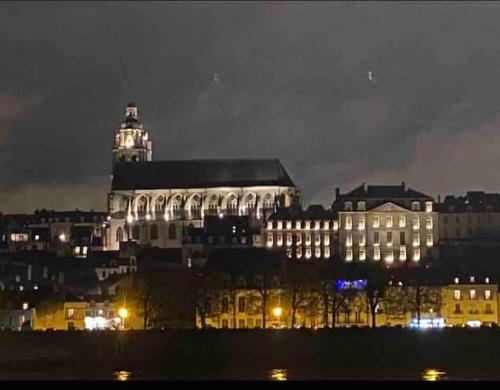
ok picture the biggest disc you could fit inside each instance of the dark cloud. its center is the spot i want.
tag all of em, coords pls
(292, 82)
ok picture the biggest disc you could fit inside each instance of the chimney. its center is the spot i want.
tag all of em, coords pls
(337, 192)
(403, 185)
(439, 199)
(364, 187)
(29, 273)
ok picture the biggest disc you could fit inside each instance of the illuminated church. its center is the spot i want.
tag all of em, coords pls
(152, 202)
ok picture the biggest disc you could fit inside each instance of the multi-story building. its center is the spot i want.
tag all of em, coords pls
(472, 302)
(151, 202)
(68, 233)
(475, 216)
(302, 234)
(395, 224)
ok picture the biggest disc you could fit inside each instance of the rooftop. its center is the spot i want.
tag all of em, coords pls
(199, 174)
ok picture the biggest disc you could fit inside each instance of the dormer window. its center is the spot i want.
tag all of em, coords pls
(348, 206)
(428, 207)
(361, 206)
(415, 206)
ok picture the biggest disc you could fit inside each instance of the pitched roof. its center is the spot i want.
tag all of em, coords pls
(385, 192)
(199, 174)
(314, 212)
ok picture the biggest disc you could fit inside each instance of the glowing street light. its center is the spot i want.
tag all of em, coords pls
(277, 311)
(130, 218)
(123, 313)
(62, 237)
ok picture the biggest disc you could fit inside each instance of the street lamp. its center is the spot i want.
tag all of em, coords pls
(277, 311)
(123, 313)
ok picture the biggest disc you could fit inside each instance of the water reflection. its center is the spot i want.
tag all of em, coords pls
(431, 374)
(122, 375)
(278, 374)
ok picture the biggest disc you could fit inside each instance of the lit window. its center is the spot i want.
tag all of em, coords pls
(317, 252)
(280, 225)
(19, 237)
(415, 206)
(326, 225)
(487, 294)
(316, 225)
(348, 240)
(269, 225)
(308, 238)
(389, 256)
(269, 239)
(456, 295)
(428, 223)
(288, 225)
(402, 253)
(348, 222)
(428, 207)
(362, 254)
(71, 313)
(348, 254)
(25, 306)
(299, 252)
(298, 224)
(361, 206)
(416, 223)
(317, 239)
(376, 253)
(308, 253)
(335, 225)
(348, 206)
(456, 280)
(376, 238)
(416, 254)
(472, 279)
(361, 223)
(487, 280)
(389, 238)
(402, 222)
(429, 240)
(289, 239)
(362, 240)
(472, 294)
(21, 288)
(402, 238)
(327, 252)
(388, 222)
(298, 239)
(326, 239)
(376, 222)
(416, 240)
(279, 239)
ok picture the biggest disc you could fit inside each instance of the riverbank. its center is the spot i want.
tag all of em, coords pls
(362, 353)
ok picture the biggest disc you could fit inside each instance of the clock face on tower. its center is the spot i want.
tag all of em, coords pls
(129, 141)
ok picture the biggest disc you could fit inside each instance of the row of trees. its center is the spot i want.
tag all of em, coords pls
(173, 297)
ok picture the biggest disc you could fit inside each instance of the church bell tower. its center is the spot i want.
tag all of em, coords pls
(132, 141)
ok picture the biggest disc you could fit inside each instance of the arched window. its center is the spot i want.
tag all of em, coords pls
(249, 202)
(160, 204)
(141, 205)
(119, 234)
(232, 203)
(154, 232)
(212, 204)
(268, 201)
(172, 232)
(135, 232)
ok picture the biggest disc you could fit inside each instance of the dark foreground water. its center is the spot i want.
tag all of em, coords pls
(275, 355)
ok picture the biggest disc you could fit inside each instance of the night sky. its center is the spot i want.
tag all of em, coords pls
(285, 80)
